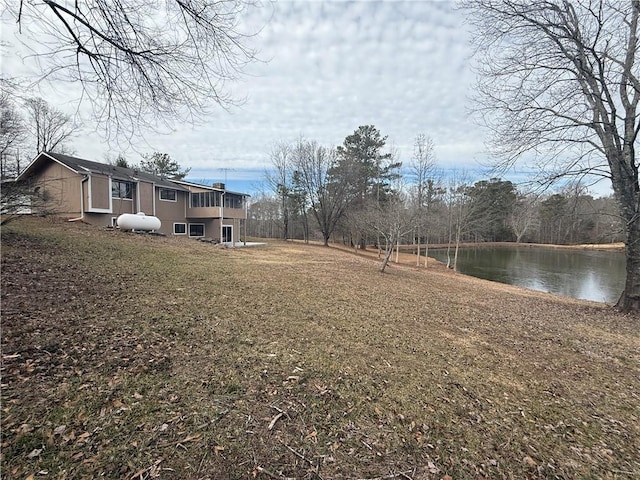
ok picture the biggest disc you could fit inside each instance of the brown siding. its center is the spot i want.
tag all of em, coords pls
(100, 192)
(123, 205)
(146, 198)
(211, 227)
(170, 212)
(204, 212)
(61, 187)
(231, 222)
(234, 213)
(100, 219)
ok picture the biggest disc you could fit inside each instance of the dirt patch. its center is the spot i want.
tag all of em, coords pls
(128, 356)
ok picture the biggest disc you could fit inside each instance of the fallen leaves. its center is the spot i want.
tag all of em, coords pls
(152, 471)
(190, 386)
(59, 430)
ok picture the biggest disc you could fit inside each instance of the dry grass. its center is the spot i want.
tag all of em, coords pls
(129, 356)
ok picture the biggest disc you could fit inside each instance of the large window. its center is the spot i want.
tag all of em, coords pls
(196, 229)
(206, 199)
(179, 228)
(232, 201)
(167, 194)
(120, 189)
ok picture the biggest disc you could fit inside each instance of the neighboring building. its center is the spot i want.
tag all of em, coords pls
(98, 193)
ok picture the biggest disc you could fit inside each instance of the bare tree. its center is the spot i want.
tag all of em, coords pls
(460, 215)
(327, 195)
(12, 134)
(49, 127)
(391, 220)
(25, 197)
(140, 61)
(280, 178)
(559, 81)
(422, 166)
(264, 216)
(524, 215)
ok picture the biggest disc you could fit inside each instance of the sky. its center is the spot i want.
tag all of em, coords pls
(327, 68)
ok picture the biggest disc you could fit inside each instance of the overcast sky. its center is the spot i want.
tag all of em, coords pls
(329, 67)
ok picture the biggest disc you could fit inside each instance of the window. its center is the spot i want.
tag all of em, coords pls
(120, 189)
(232, 201)
(167, 194)
(205, 199)
(179, 228)
(196, 229)
(114, 222)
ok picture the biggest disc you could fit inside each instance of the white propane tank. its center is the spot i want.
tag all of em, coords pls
(139, 221)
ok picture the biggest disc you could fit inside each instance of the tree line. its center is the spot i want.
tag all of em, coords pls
(359, 194)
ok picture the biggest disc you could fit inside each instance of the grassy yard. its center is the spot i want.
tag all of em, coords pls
(129, 356)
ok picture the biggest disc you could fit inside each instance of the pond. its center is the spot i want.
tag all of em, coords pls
(585, 274)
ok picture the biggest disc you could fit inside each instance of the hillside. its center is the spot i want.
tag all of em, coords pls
(131, 356)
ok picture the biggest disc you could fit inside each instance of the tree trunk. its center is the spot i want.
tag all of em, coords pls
(630, 299)
(455, 256)
(325, 239)
(305, 227)
(285, 227)
(627, 192)
(387, 256)
(426, 252)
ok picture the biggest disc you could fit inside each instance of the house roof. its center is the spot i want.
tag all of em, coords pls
(207, 187)
(82, 166)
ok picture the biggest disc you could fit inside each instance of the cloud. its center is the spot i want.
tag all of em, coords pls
(329, 67)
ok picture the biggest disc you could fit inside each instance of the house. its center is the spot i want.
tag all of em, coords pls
(98, 193)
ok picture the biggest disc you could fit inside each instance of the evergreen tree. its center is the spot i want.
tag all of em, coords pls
(363, 165)
(162, 165)
(366, 170)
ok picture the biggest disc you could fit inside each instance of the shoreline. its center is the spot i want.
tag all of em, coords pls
(618, 246)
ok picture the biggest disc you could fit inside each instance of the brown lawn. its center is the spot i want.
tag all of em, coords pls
(131, 356)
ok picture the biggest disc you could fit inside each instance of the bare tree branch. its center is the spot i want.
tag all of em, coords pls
(141, 63)
(559, 80)
(49, 127)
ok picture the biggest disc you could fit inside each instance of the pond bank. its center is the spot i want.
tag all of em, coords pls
(586, 246)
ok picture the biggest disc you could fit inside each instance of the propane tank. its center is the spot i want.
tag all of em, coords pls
(139, 221)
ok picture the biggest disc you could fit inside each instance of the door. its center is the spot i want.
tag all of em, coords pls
(227, 233)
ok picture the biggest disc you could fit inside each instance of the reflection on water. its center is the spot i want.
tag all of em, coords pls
(586, 274)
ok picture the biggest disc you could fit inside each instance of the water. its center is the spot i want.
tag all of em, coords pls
(586, 274)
